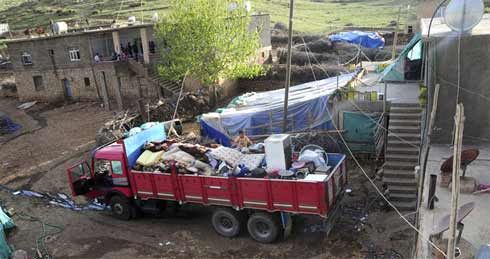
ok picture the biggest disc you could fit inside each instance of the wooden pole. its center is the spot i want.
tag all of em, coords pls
(395, 39)
(434, 110)
(458, 136)
(288, 68)
(432, 120)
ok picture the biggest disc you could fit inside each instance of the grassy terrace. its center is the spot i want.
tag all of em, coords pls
(312, 16)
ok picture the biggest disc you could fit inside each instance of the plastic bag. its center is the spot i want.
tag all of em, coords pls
(312, 156)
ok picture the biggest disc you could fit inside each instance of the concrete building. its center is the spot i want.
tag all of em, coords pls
(443, 68)
(50, 68)
(83, 65)
(441, 63)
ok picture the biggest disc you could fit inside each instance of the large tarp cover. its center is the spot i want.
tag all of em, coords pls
(412, 51)
(262, 113)
(370, 40)
(7, 223)
(134, 143)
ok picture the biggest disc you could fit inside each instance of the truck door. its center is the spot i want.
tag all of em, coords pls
(110, 173)
(80, 179)
(119, 177)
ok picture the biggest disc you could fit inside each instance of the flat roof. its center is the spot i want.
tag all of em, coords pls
(440, 28)
(120, 27)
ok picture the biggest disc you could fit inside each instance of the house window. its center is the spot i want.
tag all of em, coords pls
(74, 54)
(26, 58)
(87, 81)
(38, 83)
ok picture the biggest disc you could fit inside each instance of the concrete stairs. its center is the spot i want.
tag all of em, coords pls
(402, 154)
(169, 88)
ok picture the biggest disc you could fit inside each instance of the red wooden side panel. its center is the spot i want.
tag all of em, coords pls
(310, 199)
(283, 195)
(164, 185)
(192, 188)
(218, 190)
(253, 193)
(144, 184)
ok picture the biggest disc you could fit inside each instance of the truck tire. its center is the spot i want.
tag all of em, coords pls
(121, 207)
(263, 227)
(227, 222)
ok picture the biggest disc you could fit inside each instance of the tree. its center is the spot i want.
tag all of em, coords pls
(208, 41)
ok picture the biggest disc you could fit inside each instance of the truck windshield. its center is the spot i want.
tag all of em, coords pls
(102, 166)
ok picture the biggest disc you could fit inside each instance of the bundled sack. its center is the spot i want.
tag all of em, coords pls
(179, 156)
(148, 158)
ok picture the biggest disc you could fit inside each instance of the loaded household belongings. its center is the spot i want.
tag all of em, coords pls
(278, 151)
(148, 158)
(317, 155)
(217, 160)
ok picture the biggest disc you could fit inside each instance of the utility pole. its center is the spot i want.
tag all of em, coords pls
(288, 67)
(458, 141)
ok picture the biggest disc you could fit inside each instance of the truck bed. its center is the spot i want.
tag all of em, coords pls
(295, 196)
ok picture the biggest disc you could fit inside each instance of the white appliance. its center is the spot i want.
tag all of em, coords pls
(278, 152)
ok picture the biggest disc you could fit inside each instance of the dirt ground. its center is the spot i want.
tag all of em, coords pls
(55, 137)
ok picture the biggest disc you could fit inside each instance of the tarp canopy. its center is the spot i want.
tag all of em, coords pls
(7, 223)
(411, 52)
(370, 40)
(262, 113)
(134, 143)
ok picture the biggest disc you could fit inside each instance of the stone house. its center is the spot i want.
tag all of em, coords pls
(82, 64)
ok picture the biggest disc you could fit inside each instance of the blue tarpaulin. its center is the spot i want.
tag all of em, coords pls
(7, 125)
(370, 40)
(134, 143)
(7, 223)
(262, 113)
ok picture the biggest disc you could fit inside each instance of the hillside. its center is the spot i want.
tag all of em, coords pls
(311, 15)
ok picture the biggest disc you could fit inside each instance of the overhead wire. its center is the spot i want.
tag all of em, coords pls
(308, 57)
(316, 60)
(365, 114)
(464, 89)
(120, 8)
(380, 192)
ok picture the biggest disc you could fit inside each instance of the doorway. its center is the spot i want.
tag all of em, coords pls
(67, 87)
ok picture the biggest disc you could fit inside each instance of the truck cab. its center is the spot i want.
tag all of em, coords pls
(106, 174)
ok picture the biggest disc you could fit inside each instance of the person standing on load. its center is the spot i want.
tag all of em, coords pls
(242, 141)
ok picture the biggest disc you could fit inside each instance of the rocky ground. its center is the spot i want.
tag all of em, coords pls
(55, 137)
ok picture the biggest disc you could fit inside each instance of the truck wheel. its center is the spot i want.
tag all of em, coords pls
(263, 227)
(227, 222)
(120, 207)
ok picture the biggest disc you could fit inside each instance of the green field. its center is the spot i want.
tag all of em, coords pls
(310, 15)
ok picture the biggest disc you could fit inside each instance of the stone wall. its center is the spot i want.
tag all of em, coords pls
(99, 75)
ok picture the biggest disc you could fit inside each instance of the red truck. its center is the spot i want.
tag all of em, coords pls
(264, 206)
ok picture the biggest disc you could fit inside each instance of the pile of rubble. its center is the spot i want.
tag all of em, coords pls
(189, 106)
